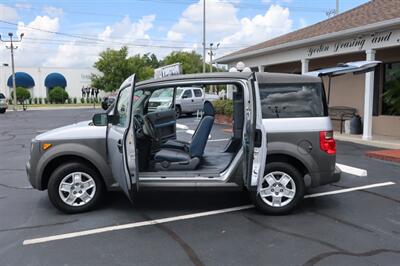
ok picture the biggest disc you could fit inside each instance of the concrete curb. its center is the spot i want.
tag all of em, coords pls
(372, 143)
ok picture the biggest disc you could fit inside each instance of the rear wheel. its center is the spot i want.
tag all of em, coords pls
(2, 111)
(75, 187)
(282, 189)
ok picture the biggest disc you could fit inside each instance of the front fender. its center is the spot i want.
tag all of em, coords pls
(78, 150)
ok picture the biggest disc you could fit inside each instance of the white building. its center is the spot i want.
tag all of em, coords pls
(74, 78)
(368, 32)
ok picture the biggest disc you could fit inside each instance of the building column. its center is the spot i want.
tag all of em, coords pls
(304, 65)
(260, 68)
(368, 98)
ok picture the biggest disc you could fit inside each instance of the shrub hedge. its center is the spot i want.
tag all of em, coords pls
(224, 107)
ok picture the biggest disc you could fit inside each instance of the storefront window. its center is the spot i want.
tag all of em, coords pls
(391, 90)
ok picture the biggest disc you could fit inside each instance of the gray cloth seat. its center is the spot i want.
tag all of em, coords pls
(189, 157)
(208, 110)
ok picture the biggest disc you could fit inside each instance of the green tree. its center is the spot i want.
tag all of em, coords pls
(22, 94)
(115, 66)
(58, 95)
(392, 96)
(191, 62)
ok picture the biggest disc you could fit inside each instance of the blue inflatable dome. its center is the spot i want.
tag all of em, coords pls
(22, 79)
(55, 80)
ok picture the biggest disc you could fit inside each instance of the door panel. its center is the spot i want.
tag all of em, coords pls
(199, 98)
(164, 123)
(188, 104)
(121, 141)
(254, 139)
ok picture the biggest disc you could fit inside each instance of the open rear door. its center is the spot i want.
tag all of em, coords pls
(121, 141)
(254, 139)
(357, 67)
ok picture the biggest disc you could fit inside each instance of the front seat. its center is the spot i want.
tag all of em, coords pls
(174, 158)
(208, 110)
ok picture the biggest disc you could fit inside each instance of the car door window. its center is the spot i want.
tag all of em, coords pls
(198, 93)
(122, 107)
(187, 94)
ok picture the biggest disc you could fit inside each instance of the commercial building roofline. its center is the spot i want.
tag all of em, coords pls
(299, 43)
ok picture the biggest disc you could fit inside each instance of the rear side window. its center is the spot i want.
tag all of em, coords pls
(197, 93)
(293, 100)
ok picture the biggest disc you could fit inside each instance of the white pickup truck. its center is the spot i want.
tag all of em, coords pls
(188, 100)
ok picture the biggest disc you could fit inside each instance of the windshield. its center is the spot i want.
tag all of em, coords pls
(138, 99)
(179, 91)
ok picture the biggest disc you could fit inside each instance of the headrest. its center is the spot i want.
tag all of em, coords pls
(208, 109)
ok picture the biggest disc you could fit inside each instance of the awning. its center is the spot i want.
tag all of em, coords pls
(22, 79)
(55, 80)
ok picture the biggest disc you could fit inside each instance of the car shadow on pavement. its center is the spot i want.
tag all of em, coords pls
(194, 201)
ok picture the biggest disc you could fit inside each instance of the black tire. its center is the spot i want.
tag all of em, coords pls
(2, 111)
(178, 111)
(64, 170)
(299, 192)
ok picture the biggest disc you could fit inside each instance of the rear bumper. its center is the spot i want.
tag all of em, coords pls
(324, 178)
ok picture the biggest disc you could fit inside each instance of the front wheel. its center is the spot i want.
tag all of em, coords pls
(75, 187)
(2, 111)
(282, 189)
(178, 111)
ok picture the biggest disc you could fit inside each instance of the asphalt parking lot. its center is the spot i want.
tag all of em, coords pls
(360, 227)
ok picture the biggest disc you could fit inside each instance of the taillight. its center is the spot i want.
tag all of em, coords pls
(326, 142)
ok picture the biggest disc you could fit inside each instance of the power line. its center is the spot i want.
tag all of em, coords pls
(96, 39)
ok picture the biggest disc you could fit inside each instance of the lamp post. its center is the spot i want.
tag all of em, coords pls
(12, 48)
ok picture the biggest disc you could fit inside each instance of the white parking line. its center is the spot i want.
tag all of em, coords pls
(345, 190)
(180, 126)
(181, 217)
(133, 225)
(216, 140)
(352, 170)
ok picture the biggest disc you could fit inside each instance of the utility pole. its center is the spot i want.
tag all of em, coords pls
(211, 53)
(337, 7)
(204, 36)
(12, 48)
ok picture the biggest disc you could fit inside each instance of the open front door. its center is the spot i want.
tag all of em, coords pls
(254, 138)
(121, 142)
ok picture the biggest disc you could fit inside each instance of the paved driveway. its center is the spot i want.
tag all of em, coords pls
(360, 227)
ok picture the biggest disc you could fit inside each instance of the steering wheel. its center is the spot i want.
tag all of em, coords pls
(138, 123)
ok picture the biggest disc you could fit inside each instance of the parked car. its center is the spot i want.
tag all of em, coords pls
(3, 103)
(108, 100)
(132, 147)
(187, 101)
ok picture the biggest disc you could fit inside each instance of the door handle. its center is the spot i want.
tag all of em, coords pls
(192, 100)
(119, 145)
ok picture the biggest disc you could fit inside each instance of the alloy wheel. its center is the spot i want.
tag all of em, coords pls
(278, 189)
(77, 189)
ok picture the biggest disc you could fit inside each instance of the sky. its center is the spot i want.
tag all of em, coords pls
(72, 33)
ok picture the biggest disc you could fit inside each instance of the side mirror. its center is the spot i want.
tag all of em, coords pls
(184, 96)
(100, 119)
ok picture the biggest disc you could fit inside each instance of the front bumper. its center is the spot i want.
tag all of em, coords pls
(31, 178)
